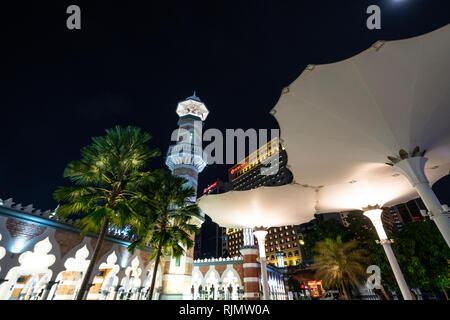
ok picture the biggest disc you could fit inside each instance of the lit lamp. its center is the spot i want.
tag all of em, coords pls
(374, 214)
(260, 234)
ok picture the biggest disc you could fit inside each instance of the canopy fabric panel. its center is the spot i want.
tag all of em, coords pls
(265, 206)
(340, 121)
(338, 117)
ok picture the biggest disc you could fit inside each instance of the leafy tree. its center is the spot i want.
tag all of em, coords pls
(340, 264)
(324, 229)
(167, 223)
(105, 178)
(423, 255)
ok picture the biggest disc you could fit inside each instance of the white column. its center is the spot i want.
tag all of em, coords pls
(249, 240)
(375, 216)
(413, 169)
(260, 234)
(280, 259)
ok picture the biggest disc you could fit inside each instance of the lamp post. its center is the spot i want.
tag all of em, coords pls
(260, 234)
(374, 214)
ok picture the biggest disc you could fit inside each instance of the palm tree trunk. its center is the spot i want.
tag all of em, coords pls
(346, 295)
(445, 293)
(385, 294)
(90, 268)
(155, 271)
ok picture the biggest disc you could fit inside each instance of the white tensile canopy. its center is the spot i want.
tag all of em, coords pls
(339, 122)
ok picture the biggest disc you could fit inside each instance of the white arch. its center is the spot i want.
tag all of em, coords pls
(105, 280)
(148, 280)
(212, 278)
(131, 282)
(27, 281)
(70, 279)
(197, 280)
(230, 277)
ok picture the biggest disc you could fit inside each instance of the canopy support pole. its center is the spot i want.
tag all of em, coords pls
(413, 169)
(260, 234)
(374, 214)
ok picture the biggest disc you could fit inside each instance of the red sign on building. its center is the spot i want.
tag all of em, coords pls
(233, 170)
(210, 187)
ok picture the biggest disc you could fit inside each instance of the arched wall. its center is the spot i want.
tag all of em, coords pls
(18, 237)
(222, 275)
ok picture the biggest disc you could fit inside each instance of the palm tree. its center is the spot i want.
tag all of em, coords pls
(111, 167)
(167, 224)
(340, 264)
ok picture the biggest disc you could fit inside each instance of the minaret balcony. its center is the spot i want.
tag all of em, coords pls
(187, 154)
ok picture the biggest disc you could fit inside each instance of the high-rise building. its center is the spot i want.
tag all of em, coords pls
(247, 175)
(283, 240)
(234, 241)
(395, 217)
(211, 241)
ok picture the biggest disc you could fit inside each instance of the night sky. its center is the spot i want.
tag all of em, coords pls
(130, 64)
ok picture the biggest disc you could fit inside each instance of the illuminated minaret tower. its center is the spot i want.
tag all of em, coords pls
(185, 159)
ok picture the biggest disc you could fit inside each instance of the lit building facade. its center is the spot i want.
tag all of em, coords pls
(43, 257)
(246, 176)
(283, 239)
(395, 217)
(225, 279)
